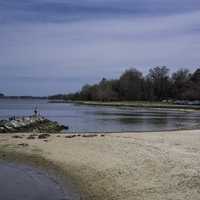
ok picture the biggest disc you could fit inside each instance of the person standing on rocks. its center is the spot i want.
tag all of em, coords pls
(35, 111)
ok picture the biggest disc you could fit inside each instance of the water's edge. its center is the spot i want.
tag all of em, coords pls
(53, 171)
(87, 118)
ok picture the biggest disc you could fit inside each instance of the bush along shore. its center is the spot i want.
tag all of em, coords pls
(29, 124)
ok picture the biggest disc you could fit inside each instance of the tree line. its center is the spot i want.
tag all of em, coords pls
(132, 85)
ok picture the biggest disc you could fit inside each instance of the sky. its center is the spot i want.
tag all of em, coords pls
(57, 46)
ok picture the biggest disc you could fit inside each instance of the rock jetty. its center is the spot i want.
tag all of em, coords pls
(36, 124)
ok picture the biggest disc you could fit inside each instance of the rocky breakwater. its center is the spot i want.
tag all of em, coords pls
(37, 124)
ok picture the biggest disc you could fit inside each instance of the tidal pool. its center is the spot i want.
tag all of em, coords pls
(21, 182)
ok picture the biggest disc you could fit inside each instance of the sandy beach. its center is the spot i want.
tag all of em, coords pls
(125, 166)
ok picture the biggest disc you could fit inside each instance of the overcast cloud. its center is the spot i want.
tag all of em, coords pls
(56, 46)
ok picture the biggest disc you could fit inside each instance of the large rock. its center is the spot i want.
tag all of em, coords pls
(30, 124)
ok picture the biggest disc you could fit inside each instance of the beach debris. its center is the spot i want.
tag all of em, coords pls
(90, 135)
(43, 136)
(84, 135)
(3, 155)
(23, 144)
(31, 137)
(17, 136)
(70, 136)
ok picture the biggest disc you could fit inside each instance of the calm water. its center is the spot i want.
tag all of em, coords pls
(81, 118)
(20, 182)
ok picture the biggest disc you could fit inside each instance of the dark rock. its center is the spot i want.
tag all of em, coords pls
(23, 144)
(2, 122)
(91, 135)
(3, 155)
(17, 136)
(70, 136)
(30, 124)
(44, 136)
(31, 137)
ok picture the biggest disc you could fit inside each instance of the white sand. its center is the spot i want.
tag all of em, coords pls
(137, 166)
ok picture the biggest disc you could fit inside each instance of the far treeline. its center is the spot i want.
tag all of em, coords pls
(132, 85)
(2, 96)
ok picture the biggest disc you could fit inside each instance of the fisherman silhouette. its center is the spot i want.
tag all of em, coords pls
(35, 110)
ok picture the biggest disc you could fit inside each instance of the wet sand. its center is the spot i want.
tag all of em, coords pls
(22, 182)
(137, 166)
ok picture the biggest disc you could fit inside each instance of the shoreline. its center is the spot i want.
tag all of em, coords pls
(155, 105)
(129, 132)
(28, 182)
(52, 170)
(150, 166)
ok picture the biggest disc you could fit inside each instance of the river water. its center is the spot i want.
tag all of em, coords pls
(21, 182)
(83, 118)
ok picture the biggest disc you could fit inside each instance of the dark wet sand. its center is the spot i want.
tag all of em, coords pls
(20, 182)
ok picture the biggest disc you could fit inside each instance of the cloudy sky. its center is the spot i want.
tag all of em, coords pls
(56, 46)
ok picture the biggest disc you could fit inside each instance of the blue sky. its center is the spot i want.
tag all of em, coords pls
(56, 46)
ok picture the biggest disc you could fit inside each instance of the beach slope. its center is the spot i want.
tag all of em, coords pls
(139, 166)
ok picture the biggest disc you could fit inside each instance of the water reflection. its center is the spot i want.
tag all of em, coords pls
(82, 118)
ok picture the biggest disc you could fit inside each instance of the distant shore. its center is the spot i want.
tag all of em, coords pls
(139, 104)
(141, 166)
